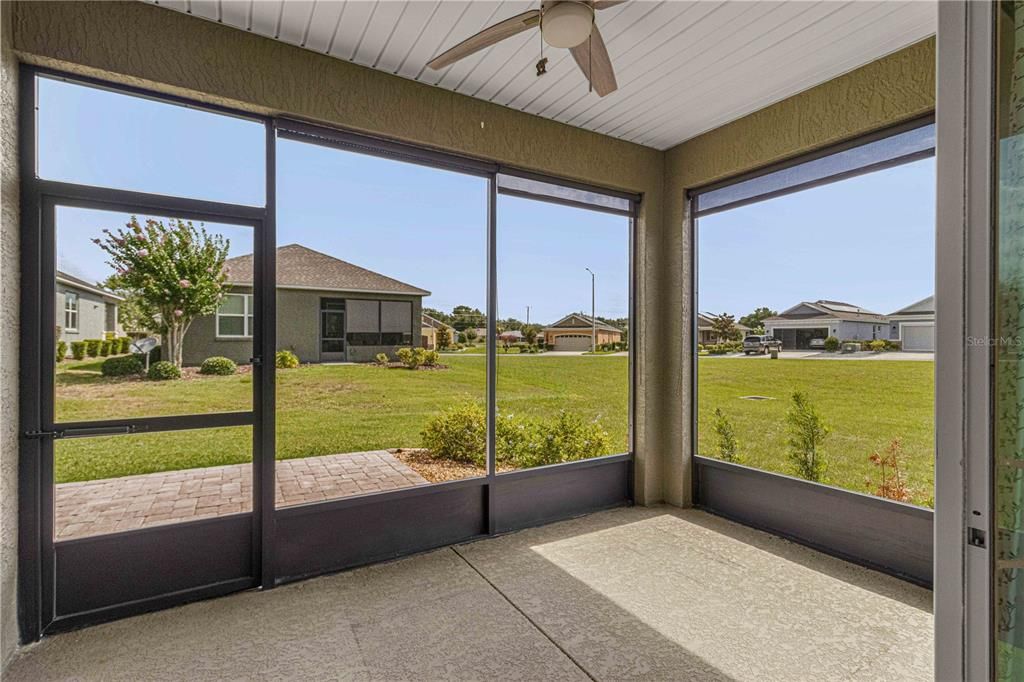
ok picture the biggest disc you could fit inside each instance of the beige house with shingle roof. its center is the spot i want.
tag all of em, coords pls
(575, 332)
(328, 310)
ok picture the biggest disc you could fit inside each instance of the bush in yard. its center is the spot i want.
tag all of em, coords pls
(893, 479)
(565, 438)
(78, 350)
(407, 357)
(877, 345)
(163, 371)
(807, 434)
(831, 344)
(382, 359)
(458, 434)
(285, 359)
(219, 366)
(104, 348)
(431, 358)
(122, 366)
(894, 344)
(726, 434)
(92, 347)
(62, 350)
(126, 344)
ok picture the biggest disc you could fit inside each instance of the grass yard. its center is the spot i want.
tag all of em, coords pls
(867, 402)
(327, 409)
(324, 409)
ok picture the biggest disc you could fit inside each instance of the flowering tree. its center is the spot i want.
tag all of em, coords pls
(172, 273)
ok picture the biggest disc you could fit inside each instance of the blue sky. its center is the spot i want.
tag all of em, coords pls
(868, 241)
(420, 225)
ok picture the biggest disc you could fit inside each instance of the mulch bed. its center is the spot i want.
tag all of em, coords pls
(439, 470)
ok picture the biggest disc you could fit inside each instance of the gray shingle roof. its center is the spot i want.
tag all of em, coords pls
(823, 309)
(303, 268)
(568, 322)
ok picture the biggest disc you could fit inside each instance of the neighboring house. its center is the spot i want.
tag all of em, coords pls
(511, 336)
(575, 333)
(806, 325)
(428, 333)
(328, 310)
(85, 311)
(706, 334)
(914, 325)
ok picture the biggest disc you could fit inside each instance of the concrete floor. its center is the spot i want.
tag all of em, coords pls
(641, 593)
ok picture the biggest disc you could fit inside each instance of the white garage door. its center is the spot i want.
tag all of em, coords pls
(573, 342)
(919, 337)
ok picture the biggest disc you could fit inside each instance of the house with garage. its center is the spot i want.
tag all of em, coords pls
(806, 325)
(84, 310)
(706, 333)
(914, 326)
(328, 310)
(575, 332)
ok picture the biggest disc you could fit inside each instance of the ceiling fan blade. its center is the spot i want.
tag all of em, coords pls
(605, 4)
(592, 52)
(487, 37)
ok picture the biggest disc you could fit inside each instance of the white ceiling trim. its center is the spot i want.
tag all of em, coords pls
(683, 67)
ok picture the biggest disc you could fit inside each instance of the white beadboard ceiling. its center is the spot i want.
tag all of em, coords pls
(683, 67)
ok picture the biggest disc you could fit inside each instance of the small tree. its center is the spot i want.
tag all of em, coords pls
(174, 273)
(444, 337)
(893, 479)
(755, 319)
(727, 444)
(724, 326)
(470, 334)
(807, 433)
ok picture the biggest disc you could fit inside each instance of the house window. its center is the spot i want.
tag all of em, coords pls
(235, 317)
(379, 323)
(70, 311)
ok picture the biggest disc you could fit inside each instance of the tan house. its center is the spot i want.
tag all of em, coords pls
(706, 333)
(575, 332)
(428, 335)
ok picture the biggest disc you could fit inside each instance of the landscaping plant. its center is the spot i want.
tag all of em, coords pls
(877, 345)
(285, 359)
(807, 434)
(726, 433)
(831, 344)
(123, 365)
(893, 479)
(126, 344)
(458, 434)
(163, 371)
(62, 350)
(444, 338)
(382, 359)
(78, 350)
(172, 273)
(219, 366)
(104, 348)
(92, 347)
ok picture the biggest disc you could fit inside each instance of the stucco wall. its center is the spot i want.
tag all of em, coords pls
(896, 88)
(9, 255)
(150, 46)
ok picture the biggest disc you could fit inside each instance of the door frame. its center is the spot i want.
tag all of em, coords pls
(321, 311)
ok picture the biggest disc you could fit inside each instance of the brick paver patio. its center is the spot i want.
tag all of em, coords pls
(115, 504)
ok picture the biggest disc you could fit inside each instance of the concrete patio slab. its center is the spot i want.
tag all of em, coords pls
(129, 502)
(640, 593)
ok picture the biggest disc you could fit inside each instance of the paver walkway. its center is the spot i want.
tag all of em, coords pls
(116, 504)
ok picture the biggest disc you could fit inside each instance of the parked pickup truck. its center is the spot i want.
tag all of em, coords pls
(760, 344)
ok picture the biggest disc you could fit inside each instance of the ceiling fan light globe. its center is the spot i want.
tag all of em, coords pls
(567, 24)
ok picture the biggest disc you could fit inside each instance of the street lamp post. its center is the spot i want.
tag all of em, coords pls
(593, 310)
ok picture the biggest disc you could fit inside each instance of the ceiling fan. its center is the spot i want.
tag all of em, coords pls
(563, 23)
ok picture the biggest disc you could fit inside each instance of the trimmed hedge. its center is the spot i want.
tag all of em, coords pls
(219, 366)
(163, 371)
(92, 347)
(78, 350)
(122, 366)
(105, 348)
(62, 350)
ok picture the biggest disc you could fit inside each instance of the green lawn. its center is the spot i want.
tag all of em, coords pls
(325, 409)
(867, 402)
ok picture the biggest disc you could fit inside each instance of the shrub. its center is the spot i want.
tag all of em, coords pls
(807, 433)
(62, 350)
(285, 359)
(407, 357)
(219, 366)
(565, 438)
(458, 434)
(78, 350)
(726, 433)
(123, 365)
(831, 344)
(893, 344)
(104, 348)
(431, 358)
(163, 371)
(893, 483)
(92, 347)
(382, 359)
(877, 345)
(126, 344)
